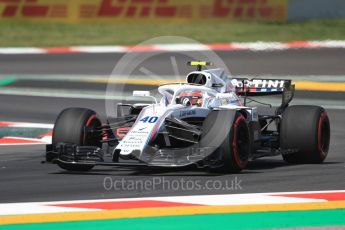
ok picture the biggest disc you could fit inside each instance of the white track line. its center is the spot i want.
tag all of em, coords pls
(27, 125)
(252, 46)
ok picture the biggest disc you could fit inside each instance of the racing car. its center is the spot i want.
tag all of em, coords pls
(205, 121)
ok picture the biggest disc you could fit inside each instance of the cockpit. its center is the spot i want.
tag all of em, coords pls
(190, 98)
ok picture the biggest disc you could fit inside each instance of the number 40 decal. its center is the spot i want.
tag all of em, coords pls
(149, 119)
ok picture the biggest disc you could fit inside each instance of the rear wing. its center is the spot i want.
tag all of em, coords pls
(259, 87)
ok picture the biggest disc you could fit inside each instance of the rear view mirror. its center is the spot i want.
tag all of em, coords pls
(138, 93)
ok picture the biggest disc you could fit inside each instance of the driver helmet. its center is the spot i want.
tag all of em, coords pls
(190, 98)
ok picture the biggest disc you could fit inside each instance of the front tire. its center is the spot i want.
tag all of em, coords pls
(307, 129)
(70, 128)
(235, 150)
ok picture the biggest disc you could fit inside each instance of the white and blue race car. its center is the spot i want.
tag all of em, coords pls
(205, 121)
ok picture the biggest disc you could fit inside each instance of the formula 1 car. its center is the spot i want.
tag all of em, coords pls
(204, 122)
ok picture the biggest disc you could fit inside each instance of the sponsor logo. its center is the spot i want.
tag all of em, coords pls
(138, 8)
(32, 9)
(186, 113)
(258, 83)
(71, 11)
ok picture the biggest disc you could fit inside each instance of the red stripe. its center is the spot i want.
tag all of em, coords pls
(125, 204)
(331, 196)
(122, 132)
(143, 48)
(154, 131)
(59, 50)
(152, 135)
(88, 122)
(298, 44)
(5, 124)
(48, 134)
(319, 127)
(234, 146)
(223, 47)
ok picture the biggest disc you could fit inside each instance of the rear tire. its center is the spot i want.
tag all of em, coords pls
(235, 150)
(70, 128)
(307, 129)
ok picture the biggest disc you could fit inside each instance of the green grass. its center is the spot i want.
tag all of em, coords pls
(21, 34)
(254, 220)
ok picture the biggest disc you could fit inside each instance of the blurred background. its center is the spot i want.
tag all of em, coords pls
(50, 23)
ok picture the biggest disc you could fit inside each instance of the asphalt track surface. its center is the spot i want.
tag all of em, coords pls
(287, 62)
(24, 178)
